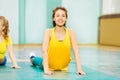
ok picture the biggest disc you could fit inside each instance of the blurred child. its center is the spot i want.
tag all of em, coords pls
(6, 43)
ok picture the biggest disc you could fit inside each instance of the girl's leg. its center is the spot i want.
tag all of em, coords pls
(37, 61)
(4, 61)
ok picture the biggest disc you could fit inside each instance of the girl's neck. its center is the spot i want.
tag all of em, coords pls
(59, 29)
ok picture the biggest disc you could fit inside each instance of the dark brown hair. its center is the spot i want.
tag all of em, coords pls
(5, 26)
(54, 11)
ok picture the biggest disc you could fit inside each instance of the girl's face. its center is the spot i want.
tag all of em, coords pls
(60, 18)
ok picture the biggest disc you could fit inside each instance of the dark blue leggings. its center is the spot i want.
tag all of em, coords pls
(4, 61)
(37, 61)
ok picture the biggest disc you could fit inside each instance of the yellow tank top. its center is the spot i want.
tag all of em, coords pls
(59, 52)
(3, 46)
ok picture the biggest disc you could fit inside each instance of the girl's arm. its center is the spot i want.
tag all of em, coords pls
(12, 57)
(45, 44)
(76, 52)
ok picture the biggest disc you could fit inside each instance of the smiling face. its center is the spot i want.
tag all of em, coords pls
(60, 18)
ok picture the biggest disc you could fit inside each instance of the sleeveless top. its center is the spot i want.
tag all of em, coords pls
(3, 46)
(59, 52)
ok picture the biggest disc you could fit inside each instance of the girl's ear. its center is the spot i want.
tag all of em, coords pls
(53, 19)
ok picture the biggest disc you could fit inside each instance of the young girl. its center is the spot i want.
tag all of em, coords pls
(56, 45)
(6, 43)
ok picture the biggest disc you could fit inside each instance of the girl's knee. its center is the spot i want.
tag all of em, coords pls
(4, 61)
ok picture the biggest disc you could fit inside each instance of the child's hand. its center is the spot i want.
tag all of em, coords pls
(48, 73)
(15, 67)
(81, 73)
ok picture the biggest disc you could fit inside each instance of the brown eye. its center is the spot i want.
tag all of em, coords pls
(57, 15)
(63, 15)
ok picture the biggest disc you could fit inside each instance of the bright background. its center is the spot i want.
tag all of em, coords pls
(29, 18)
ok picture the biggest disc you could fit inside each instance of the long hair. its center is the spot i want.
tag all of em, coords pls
(54, 11)
(5, 27)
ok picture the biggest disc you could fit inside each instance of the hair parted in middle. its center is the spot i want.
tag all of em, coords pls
(54, 11)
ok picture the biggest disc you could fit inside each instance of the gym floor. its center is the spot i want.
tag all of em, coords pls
(98, 62)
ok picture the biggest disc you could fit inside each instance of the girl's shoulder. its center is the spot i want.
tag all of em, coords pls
(48, 31)
(70, 31)
(8, 40)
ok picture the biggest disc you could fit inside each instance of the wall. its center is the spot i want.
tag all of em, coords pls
(29, 18)
(9, 9)
(111, 7)
(35, 16)
(83, 19)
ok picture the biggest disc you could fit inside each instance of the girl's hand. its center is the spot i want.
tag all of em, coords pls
(15, 66)
(48, 73)
(81, 73)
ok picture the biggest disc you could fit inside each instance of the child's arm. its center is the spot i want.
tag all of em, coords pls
(45, 51)
(12, 57)
(76, 52)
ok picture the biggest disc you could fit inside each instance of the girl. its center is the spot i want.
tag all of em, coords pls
(6, 43)
(56, 45)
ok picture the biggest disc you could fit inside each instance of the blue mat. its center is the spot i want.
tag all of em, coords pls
(29, 72)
